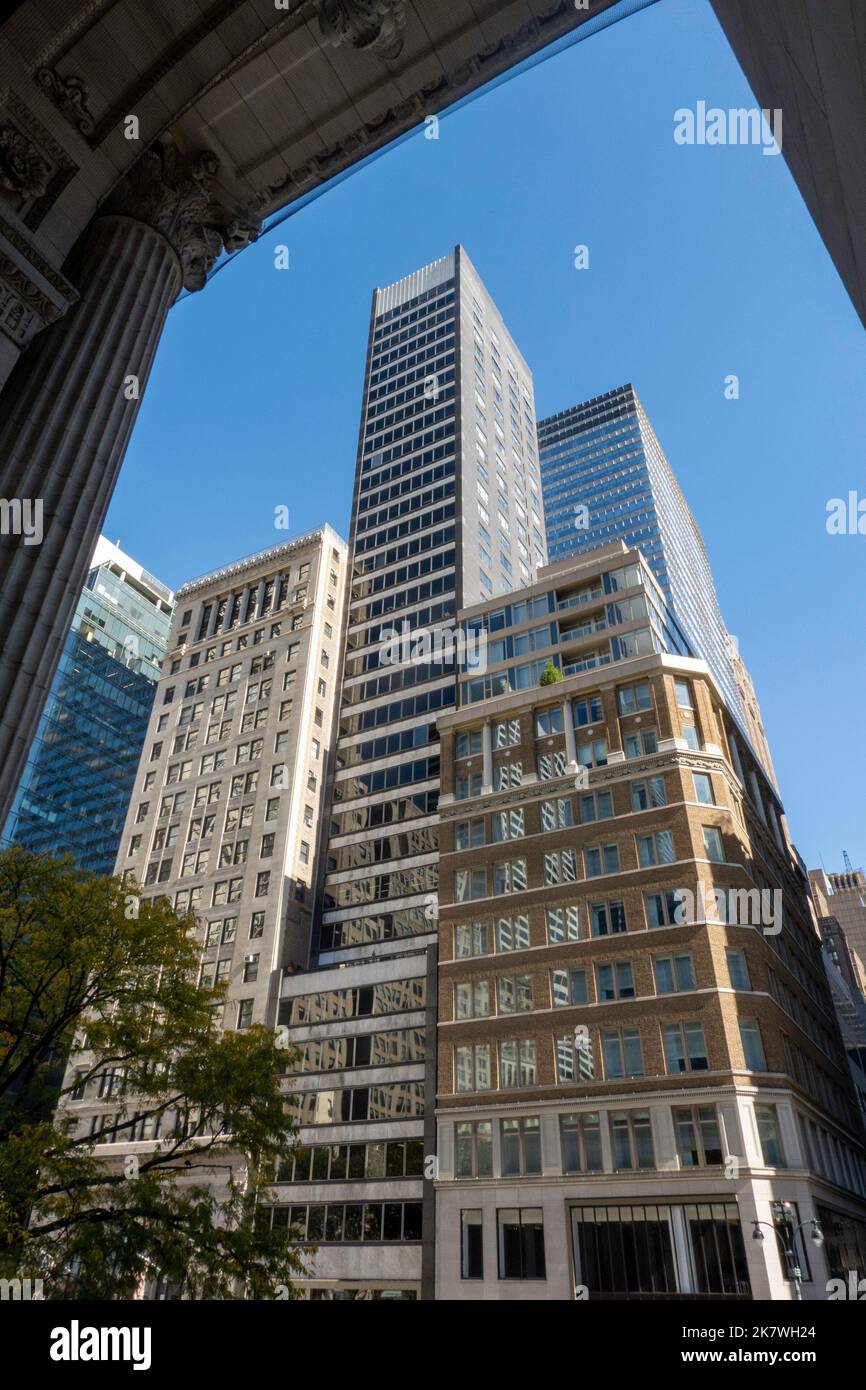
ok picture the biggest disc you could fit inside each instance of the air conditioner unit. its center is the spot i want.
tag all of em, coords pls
(248, 960)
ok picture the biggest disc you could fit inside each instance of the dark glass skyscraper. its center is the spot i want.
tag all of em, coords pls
(604, 477)
(73, 794)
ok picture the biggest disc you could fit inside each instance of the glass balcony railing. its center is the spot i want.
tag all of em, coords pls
(576, 600)
(585, 630)
(586, 663)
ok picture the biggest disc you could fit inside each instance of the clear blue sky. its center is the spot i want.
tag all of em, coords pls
(703, 262)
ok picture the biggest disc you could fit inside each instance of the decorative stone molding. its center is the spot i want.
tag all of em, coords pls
(34, 167)
(175, 196)
(342, 22)
(32, 293)
(368, 25)
(69, 95)
(23, 171)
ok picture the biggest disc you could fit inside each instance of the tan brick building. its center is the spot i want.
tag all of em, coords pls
(638, 1054)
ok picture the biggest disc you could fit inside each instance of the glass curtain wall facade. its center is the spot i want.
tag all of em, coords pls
(79, 775)
(605, 477)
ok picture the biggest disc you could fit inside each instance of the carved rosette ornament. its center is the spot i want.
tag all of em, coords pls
(22, 169)
(175, 196)
(370, 25)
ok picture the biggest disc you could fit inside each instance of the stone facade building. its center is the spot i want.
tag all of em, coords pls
(226, 809)
(638, 1057)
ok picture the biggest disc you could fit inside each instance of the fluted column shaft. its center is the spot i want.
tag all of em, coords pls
(67, 415)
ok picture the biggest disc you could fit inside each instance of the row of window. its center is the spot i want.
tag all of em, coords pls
(561, 866)
(344, 1222)
(567, 987)
(696, 1131)
(593, 1054)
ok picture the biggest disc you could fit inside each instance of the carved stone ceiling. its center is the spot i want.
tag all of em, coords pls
(286, 93)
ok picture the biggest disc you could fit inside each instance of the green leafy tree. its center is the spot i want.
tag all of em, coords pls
(88, 969)
(550, 675)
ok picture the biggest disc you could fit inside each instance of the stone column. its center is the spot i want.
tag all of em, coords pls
(70, 406)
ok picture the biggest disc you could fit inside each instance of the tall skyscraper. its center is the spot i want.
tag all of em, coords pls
(446, 511)
(642, 1091)
(605, 477)
(74, 791)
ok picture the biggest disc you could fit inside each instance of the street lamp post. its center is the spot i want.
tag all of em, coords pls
(783, 1211)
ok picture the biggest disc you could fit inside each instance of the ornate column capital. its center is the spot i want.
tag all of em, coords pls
(374, 25)
(176, 196)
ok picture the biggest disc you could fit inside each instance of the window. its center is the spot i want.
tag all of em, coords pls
(521, 1147)
(514, 994)
(472, 999)
(468, 834)
(645, 795)
(601, 860)
(520, 1232)
(472, 1068)
(738, 970)
(506, 734)
(471, 1245)
(632, 698)
(517, 1064)
(556, 815)
(563, 923)
(245, 1013)
(673, 973)
(587, 711)
(560, 866)
(768, 1132)
(685, 1049)
(568, 987)
(574, 1056)
(473, 1156)
(753, 1048)
(471, 939)
(595, 806)
(631, 1139)
(465, 787)
(683, 694)
(592, 754)
(257, 925)
(508, 775)
(509, 877)
(690, 736)
(661, 908)
(713, 846)
(251, 970)
(512, 933)
(607, 919)
(548, 721)
(655, 849)
(508, 825)
(697, 1134)
(267, 848)
(263, 881)
(614, 981)
(621, 1052)
(703, 789)
(551, 765)
(640, 744)
(469, 884)
(468, 744)
(580, 1139)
